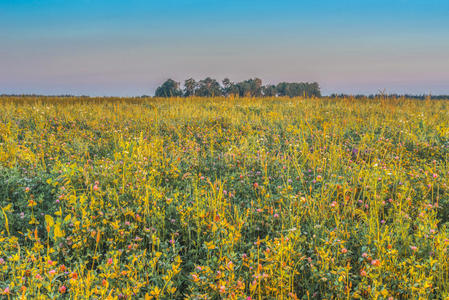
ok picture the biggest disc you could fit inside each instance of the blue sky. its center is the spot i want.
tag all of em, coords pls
(114, 47)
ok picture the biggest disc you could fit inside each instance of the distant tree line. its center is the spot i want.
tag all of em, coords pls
(210, 87)
(172, 88)
(375, 96)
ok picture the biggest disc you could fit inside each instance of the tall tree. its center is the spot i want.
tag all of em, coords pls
(244, 88)
(169, 88)
(190, 86)
(250, 88)
(282, 89)
(208, 87)
(316, 91)
(256, 87)
(229, 88)
(269, 90)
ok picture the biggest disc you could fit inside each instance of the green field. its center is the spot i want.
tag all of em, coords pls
(224, 198)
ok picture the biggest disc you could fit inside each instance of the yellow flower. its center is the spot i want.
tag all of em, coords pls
(210, 245)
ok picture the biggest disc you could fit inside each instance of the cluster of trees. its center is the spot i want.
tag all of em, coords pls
(210, 87)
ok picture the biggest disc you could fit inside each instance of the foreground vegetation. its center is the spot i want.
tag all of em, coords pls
(224, 198)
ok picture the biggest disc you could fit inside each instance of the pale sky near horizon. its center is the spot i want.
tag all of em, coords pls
(126, 48)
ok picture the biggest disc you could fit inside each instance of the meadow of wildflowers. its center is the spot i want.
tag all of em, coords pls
(223, 198)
